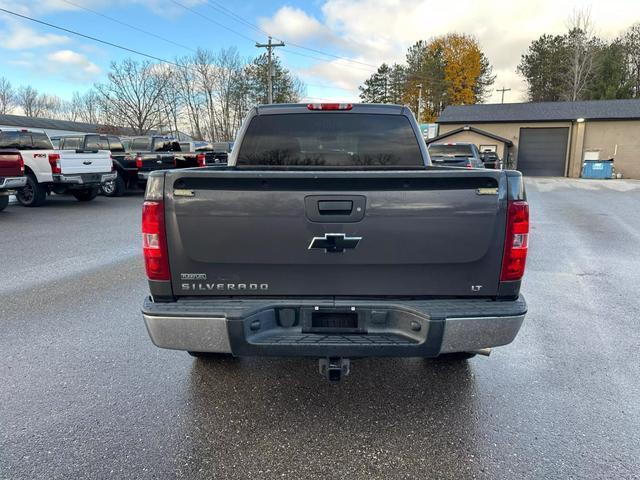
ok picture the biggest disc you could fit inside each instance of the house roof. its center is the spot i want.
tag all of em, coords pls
(52, 124)
(468, 128)
(542, 111)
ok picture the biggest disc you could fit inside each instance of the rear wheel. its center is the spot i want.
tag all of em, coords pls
(115, 188)
(86, 195)
(4, 201)
(211, 355)
(32, 194)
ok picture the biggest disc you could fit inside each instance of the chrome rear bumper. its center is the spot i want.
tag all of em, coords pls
(10, 183)
(393, 330)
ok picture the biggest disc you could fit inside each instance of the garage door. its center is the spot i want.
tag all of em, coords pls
(542, 151)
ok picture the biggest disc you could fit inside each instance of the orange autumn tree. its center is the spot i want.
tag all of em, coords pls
(450, 70)
(462, 67)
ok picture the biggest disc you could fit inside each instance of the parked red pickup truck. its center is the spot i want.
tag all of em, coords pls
(11, 175)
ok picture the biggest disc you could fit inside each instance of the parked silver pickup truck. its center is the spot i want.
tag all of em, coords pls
(331, 235)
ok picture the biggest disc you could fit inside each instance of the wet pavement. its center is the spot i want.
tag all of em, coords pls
(84, 393)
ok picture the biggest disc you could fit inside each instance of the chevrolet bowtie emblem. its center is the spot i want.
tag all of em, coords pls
(334, 242)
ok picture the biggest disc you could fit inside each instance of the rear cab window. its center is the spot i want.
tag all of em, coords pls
(450, 150)
(140, 144)
(70, 143)
(330, 140)
(41, 141)
(25, 140)
(165, 145)
(96, 142)
(115, 145)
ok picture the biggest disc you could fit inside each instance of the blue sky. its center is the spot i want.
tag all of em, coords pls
(366, 32)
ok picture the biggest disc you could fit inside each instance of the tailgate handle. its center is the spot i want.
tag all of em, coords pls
(335, 207)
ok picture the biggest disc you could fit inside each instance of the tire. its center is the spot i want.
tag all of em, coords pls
(455, 357)
(211, 355)
(115, 188)
(86, 195)
(33, 194)
(4, 201)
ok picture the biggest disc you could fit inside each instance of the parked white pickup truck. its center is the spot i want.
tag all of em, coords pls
(78, 172)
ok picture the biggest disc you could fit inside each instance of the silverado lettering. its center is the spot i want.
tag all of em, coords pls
(225, 286)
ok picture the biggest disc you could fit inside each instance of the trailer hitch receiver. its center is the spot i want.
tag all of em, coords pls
(334, 369)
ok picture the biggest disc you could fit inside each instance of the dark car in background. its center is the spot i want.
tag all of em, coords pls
(215, 153)
(490, 160)
(123, 163)
(455, 155)
(153, 153)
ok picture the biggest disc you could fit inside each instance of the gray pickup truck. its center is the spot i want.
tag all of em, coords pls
(331, 235)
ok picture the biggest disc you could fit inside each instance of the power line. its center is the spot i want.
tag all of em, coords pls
(328, 86)
(228, 12)
(221, 8)
(133, 27)
(115, 45)
(195, 12)
(329, 61)
(238, 18)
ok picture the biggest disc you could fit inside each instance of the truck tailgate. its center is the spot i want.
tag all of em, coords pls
(152, 161)
(344, 233)
(72, 162)
(11, 164)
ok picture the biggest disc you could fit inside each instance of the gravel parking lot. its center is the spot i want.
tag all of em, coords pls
(84, 393)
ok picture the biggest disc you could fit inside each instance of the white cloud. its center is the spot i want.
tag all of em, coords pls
(376, 31)
(294, 23)
(20, 37)
(78, 63)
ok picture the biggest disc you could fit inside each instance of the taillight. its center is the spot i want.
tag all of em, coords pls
(113, 165)
(12, 157)
(516, 241)
(138, 161)
(154, 241)
(202, 162)
(469, 165)
(54, 161)
(330, 106)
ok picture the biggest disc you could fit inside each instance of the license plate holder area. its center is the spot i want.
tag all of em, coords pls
(332, 321)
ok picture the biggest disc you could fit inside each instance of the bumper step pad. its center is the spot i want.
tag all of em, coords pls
(335, 339)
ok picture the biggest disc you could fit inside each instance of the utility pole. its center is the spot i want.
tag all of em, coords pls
(270, 46)
(503, 90)
(419, 100)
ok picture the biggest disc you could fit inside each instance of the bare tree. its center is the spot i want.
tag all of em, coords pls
(171, 103)
(582, 47)
(191, 96)
(7, 97)
(35, 104)
(132, 94)
(203, 65)
(85, 107)
(631, 43)
(227, 81)
(49, 106)
(27, 99)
